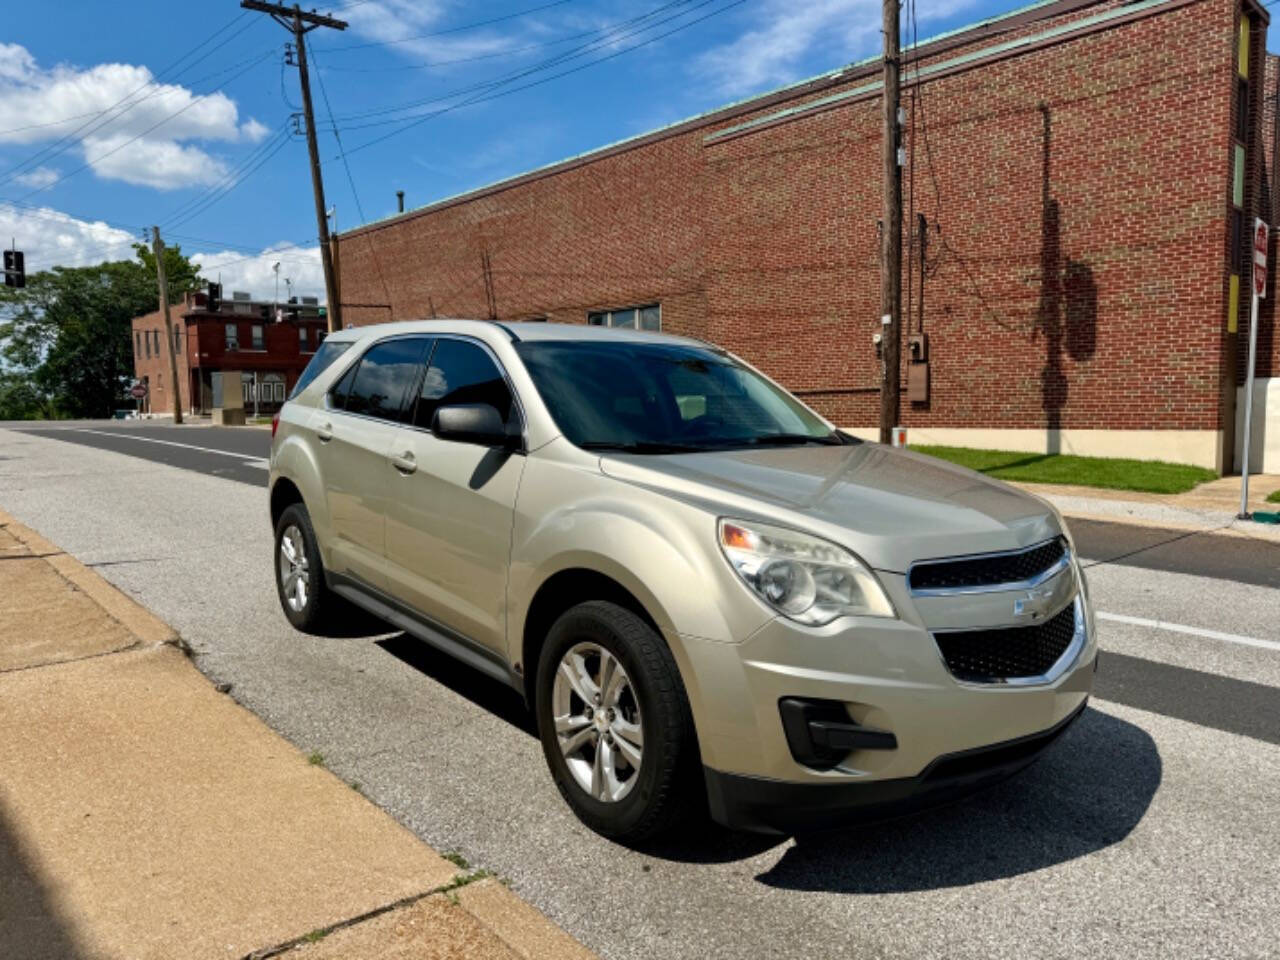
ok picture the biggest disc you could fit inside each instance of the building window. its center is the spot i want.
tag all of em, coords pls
(257, 336)
(302, 339)
(137, 344)
(632, 318)
(233, 340)
(177, 341)
(155, 337)
(146, 338)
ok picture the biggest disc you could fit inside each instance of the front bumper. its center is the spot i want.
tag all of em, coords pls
(890, 677)
(775, 806)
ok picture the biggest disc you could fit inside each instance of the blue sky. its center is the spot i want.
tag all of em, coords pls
(76, 184)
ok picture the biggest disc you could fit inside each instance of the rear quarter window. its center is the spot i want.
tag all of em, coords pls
(328, 352)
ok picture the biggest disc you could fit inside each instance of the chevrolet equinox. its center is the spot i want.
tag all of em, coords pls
(709, 596)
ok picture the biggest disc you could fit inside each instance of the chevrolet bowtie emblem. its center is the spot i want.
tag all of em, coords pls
(1034, 604)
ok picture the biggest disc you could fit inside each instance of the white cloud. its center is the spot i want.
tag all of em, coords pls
(49, 238)
(403, 23)
(38, 177)
(786, 37)
(254, 275)
(39, 105)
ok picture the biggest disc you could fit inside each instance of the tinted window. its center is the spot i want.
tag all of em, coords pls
(383, 378)
(321, 362)
(664, 398)
(461, 372)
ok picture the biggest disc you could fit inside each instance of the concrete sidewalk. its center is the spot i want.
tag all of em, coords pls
(1209, 507)
(145, 815)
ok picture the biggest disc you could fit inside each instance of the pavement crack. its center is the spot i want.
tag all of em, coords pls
(32, 556)
(459, 880)
(137, 644)
(115, 563)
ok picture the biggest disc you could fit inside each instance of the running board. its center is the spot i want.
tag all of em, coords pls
(457, 647)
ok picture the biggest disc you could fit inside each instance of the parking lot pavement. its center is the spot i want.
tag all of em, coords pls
(1148, 830)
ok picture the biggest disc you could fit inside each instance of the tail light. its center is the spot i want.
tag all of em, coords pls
(275, 423)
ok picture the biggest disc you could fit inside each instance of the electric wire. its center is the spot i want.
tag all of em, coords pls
(440, 33)
(66, 141)
(613, 35)
(409, 123)
(337, 135)
(138, 136)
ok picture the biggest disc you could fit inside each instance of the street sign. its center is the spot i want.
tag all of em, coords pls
(138, 391)
(1259, 259)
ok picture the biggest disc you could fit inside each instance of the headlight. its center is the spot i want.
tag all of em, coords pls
(807, 579)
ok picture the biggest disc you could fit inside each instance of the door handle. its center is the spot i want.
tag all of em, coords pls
(405, 464)
(324, 433)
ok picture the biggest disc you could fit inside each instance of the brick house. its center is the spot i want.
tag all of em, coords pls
(235, 335)
(1088, 173)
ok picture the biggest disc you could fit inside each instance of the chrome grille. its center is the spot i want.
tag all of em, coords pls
(990, 570)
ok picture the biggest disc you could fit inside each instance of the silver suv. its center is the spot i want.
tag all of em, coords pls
(709, 596)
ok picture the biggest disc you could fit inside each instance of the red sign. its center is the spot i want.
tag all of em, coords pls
(1259, 259)
(138, 391)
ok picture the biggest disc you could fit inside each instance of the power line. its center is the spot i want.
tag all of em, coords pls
(64, 142)
(377, 263)
(202, 207)
(229, 179)
(136, 137)
(441, 33)
(413, 122)
(612, 35)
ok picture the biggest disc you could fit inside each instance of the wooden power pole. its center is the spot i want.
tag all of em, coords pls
(891, 232)
(300, 23)
(163, 283)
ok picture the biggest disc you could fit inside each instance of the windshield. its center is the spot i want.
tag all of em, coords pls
(328, 352)
(664, 398)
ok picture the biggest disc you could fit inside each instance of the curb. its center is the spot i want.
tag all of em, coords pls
(131, 615)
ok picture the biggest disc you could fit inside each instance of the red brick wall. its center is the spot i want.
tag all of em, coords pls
(1078, 279)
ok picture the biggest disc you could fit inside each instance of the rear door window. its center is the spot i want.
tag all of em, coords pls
(461, 372)
(384, 378)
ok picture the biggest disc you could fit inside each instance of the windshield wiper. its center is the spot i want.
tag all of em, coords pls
(640, 447)
(794, 439)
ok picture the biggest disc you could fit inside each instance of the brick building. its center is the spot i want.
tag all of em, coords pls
(232, 335)
(1088, 172)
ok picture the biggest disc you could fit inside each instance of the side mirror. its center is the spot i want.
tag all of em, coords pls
(478, 423)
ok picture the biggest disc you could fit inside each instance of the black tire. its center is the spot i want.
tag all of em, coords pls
(668, 782)
(320, 601)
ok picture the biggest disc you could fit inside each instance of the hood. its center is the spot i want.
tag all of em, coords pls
(892, 507)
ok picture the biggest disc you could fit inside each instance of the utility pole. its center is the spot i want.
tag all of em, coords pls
(891, 234)
(162, 281)
(300, 24)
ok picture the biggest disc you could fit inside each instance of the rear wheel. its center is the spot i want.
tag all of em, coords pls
(614, 722)
(304, 597)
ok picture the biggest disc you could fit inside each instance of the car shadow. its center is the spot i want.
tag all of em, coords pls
(482, 690)
(1088, 792)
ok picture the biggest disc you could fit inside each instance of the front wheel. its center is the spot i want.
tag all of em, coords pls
(614, 722)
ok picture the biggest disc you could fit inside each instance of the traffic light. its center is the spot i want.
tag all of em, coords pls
(15, 273)
(291, 309)
(215, 296)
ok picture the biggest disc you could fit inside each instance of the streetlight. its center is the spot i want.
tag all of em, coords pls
(276, 267)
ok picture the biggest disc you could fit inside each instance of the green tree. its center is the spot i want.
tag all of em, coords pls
(68, 344)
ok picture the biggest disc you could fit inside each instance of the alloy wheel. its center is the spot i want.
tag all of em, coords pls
(597, 722)
(293, 569)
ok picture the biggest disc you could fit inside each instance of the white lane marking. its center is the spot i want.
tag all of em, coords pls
(1191, 631)
(257, 461)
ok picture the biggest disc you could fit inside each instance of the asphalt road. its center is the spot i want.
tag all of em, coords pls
(1148, 831)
